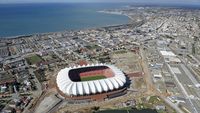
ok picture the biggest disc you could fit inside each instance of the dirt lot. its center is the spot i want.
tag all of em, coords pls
(129, 62)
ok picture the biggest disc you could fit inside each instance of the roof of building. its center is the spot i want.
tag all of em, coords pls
(69, 87)
(167, 53)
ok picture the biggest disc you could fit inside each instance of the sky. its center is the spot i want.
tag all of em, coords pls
(197, 2)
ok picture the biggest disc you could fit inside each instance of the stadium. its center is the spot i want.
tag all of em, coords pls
(91, 82)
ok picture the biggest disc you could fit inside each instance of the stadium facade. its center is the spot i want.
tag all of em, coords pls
(91, 82)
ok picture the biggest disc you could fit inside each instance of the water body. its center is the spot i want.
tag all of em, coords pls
(24, 19)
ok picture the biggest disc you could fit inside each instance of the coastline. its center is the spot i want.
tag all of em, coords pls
(115, 13)
(90, 28)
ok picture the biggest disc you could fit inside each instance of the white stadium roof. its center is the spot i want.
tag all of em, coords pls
(71, 88)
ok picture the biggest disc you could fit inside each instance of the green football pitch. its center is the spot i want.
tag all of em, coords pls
(97, 77)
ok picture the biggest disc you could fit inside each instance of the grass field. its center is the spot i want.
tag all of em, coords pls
(34, 59)
(154, 99)
(92, 78)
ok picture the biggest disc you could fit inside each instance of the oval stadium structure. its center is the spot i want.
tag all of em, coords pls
(84, 82)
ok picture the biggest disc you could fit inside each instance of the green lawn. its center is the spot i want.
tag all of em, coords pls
(93, 46)
(34, 59)
(154, 99)
(92, 78)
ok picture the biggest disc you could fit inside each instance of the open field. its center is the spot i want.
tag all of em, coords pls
(127, 61)
(34, 59)
(47, 104)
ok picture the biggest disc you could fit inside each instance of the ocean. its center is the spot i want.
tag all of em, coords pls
(25, 19)
(32, 18)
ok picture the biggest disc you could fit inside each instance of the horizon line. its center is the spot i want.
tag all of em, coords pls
(131, 3)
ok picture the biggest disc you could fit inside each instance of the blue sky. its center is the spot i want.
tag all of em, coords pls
(134, 1)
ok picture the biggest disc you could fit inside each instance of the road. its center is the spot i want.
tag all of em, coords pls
(187, 96)
(198, 62)
(150, 86)
(147, 74)
(189, 74)
(55, 108)
(173, 105)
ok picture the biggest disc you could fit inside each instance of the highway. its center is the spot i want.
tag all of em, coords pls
(173, 105)
(150, 86)
(183, 81)
(189, 74)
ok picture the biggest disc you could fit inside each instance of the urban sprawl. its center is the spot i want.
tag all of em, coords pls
(158, 49)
